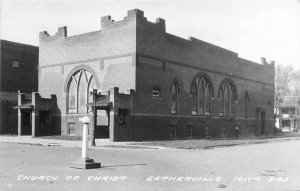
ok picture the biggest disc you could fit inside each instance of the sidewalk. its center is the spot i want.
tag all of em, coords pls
(225, 142)
(100, 143)
(167, 144)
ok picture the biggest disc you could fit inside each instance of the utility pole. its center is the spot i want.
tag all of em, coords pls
(94, 92)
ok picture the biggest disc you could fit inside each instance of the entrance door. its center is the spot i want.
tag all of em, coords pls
(102, 126)
(26, 123)
(45, 128)
(263, 122)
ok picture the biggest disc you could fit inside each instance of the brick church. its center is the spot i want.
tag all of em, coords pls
(151, 85)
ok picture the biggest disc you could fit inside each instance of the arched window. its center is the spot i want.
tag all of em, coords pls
(194, 94)
(78, 91)
(226, 103)
(246, 98)
(228, 95)
(201, 96)
(174, 98)
(207, 100)
(201, 93)
(72, 96)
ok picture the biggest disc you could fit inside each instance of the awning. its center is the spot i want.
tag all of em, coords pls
(24, 106)
(101, 103)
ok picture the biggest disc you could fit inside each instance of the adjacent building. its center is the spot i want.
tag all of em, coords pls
(152, 85)
(289, 114)
(18, 71)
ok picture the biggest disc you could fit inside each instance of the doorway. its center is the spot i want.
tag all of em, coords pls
(102, 124)
(45, 125)
(263, 123)
(26, 123)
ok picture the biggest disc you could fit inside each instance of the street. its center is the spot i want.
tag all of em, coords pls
(268, 166)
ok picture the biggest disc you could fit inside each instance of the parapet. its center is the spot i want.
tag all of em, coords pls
(108, 23)
(135, 14)
(131, 14)
(116, 91)
(61, 33)
(265, 63)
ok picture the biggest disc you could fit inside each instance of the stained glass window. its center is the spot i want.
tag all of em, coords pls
(78, 92)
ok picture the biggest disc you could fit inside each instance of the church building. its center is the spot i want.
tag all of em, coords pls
(151, 85)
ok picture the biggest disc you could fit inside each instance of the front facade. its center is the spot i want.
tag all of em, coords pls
(18, 71)
(289, 114)
(154, 85)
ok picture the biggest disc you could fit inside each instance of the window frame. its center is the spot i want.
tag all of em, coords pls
(173, 127)
(203, 95)
(76, 78)
(15, 64)
(247, 100)
(191, 131)
(122, 117)
(207, 131)
(227, 88)
(156, 90)
(174, 111)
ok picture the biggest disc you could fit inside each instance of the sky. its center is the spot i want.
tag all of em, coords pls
(251, 28)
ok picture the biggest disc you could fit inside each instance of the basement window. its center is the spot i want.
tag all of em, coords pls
(188, 131)
(71, 128)
(207, 131)
(224, 131)
(172, 131)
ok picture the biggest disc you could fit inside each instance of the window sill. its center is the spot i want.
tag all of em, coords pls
(153, 97)
(79, 114)
(201, 115)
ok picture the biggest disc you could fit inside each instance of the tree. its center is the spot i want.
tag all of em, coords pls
(296, 83)
(283, 77)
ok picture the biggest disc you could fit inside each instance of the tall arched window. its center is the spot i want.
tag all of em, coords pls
(201, 92)
(194, 94)
(72, 96)
(78, 91)
(207, 99)
(246, 98)
(201, 96)
(174, 98)
(228, 95)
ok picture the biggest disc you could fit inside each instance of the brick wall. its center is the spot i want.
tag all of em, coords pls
(136, 54)
(109, 54)
(163, 58)
(19, 63)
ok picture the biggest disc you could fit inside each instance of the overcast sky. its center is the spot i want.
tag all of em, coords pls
(252, 28)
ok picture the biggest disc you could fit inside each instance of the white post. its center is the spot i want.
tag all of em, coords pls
(85, 162)
(86, 121)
